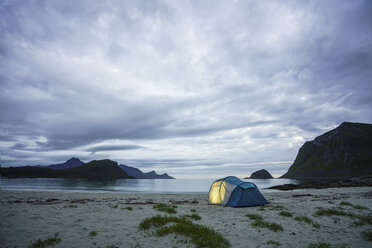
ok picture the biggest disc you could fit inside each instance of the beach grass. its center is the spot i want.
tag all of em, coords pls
(193, 210)
(359, 207)
(128, 208)
(254, 216)
(366, 235)
(344, 203)
(307, 220)
(333, 211)
(361, 219)
(200, 236)
(285, 214)
(273, 242)
(258, 221)
(276, 207)
(47, 242)
(162, 207)
(193, 216)
(93, 233)
(325, 245)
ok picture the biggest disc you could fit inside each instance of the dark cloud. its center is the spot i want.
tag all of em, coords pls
(112, 148)
(200, 84)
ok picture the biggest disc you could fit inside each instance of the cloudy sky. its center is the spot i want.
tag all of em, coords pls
(192, 88)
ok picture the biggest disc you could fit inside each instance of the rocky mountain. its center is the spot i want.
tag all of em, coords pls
(97, 169)
(260, 174)
(71, 163)
(345, 151)
(137, 173)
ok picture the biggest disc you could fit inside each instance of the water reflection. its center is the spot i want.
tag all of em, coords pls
(126, 185)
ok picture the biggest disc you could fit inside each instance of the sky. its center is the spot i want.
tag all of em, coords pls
(191, 88)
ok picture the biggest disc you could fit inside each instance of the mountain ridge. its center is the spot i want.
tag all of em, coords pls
(104, 169)
(31, 171)
(70, 163)
(137, 173)
(345, 151)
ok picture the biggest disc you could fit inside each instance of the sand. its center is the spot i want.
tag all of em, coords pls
(27, 216)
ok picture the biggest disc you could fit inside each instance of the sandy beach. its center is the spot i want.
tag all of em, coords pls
(91, 219)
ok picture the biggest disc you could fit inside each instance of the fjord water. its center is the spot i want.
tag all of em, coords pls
(126, 185)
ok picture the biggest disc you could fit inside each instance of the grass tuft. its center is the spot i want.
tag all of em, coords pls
(254, 216)
(360, 207)
(128, 208)
(325, 245)
(193, 216)
(193, 210)
(332, 211)
(344, 203)
(276, 207)
(47, 242)
(366, 235)
(273, 242)
(307, 220)
(162, 207)
(258, 221)
(316, 225)
(93, 233)
(201, 236)
(285, 213)
(362, 219)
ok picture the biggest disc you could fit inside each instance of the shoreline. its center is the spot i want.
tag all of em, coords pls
(31, 215)
(364, 181)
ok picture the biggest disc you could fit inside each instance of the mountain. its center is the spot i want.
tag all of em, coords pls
(345, 151)
(71, 163)
(137, 173)
(260, 174)
(97, 169)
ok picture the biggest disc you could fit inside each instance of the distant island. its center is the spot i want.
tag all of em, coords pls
(260, 174)
(137, 173)
(343, 152)
(75, 168)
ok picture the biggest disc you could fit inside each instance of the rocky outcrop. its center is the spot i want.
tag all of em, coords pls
(345, 151)
(260, 174)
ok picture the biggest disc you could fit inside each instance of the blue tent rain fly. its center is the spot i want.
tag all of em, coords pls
(233, 192)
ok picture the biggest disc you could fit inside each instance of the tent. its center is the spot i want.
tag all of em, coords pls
(233, 192)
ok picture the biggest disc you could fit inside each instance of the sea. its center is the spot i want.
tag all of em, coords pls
(127, 185)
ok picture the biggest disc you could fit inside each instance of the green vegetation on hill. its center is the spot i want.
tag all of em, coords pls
(97, 169)
(345, 151)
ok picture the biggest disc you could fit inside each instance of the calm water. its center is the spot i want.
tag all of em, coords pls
(125, 185)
